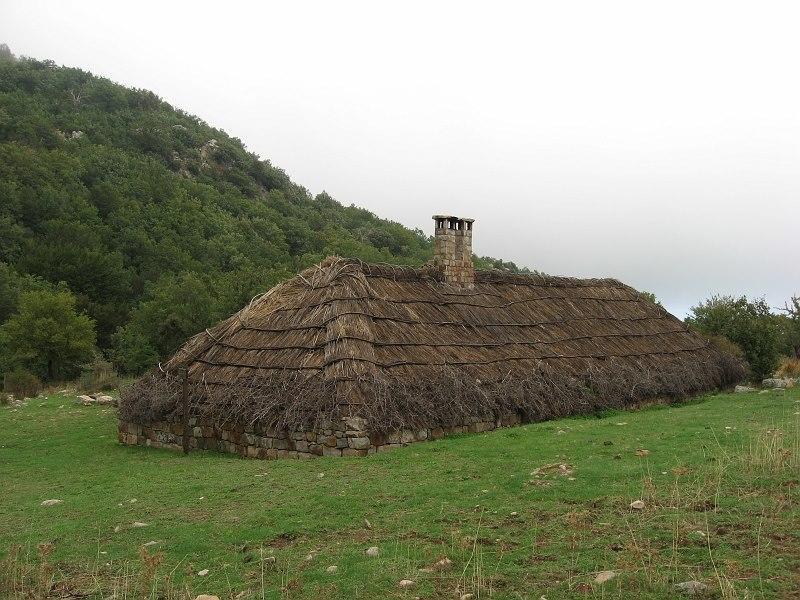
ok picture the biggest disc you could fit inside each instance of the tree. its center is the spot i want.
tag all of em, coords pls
(651, 297)
(789, 327)
(174, 309)
(748, 324)
(48, 336)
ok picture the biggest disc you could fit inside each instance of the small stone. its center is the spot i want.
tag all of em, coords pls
(367, 524)
(406, 584)
(514, 514)
(202, 573)
(51, 502)
(332, 569)
(743, 389)
(604, 576)
(207, 597)
(637, 505)
(443, 564)
(691, 588)
(151, 543)
(138, 524)
(642, 452)
(372, 551)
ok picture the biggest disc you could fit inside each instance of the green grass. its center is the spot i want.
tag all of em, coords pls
(720, 485)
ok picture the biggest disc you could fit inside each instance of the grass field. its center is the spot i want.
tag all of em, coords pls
(528, 512)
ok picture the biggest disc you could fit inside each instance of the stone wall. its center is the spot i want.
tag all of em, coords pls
(348, 437)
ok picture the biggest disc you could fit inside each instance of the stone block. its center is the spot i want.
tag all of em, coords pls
(406, 436)
(387, 447)
(354, 452)
(330, 441)
(359, 443)
(328, 451)
(355, 424)
(341, 442)
(437, 433)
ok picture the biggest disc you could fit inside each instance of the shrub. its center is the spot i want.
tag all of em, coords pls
(748, 324)
(724, 345)
(21, 384)
(98, 375)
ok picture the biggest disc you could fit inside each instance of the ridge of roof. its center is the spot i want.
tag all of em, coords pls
(495, 276)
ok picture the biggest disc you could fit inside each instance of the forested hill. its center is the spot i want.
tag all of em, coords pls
(156, 222)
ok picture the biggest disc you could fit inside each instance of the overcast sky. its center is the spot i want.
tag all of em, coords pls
(654, 142)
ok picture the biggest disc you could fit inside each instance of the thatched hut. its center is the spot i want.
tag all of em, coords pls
(349, 358)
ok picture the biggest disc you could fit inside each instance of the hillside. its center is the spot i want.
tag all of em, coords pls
(157, 222)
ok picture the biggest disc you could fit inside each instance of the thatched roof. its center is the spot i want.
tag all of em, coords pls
(405, 321)
(345, 320)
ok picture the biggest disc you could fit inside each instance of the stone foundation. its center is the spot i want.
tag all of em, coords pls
(346, 438)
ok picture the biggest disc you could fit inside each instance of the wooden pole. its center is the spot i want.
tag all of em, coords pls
(185, 402)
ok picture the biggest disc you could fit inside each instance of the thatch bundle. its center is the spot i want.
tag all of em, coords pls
(401, 348)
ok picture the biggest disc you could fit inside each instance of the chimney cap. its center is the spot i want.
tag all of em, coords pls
(452, 217)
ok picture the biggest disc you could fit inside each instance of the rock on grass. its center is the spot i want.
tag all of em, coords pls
(52, 502)
(604, 576)
(691, 588)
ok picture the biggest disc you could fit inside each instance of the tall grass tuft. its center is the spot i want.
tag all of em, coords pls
(789, 367)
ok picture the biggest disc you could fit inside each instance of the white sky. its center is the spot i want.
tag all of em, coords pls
(654, 142)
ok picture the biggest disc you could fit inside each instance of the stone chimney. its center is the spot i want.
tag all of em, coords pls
(452, 250)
